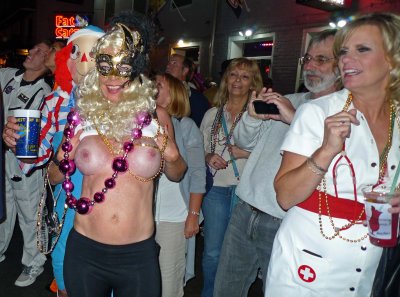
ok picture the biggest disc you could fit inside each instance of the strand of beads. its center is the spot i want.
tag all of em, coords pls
(120, 165)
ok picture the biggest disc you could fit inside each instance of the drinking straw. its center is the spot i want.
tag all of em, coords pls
(396, 177)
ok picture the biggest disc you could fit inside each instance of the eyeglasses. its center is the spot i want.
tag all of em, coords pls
(319, 60)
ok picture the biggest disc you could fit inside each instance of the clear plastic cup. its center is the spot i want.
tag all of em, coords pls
(383, 227)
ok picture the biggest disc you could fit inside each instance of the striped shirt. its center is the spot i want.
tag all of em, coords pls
(54, 117)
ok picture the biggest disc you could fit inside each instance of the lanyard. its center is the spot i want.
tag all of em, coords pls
(235, 170)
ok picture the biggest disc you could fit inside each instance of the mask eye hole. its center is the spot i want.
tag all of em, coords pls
(75, 53)
(104, 64)
(104, 68)
(124, 70)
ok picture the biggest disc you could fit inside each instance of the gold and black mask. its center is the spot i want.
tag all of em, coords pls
(121, 63)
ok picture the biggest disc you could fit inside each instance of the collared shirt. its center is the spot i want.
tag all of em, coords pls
(263, 139)
(307, 132)
(20, 94)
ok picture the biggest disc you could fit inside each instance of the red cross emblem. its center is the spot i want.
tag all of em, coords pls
(306, 273)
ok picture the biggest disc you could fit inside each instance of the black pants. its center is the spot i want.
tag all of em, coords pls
(93, 269)
(387, 277)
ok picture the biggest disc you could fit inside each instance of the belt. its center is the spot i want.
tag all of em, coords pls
(16, 178)
(255, 209)
(338, 207)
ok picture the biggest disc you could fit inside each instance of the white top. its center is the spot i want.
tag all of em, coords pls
(303, 262)
(170, 205)
(306, 135)
(225, 177)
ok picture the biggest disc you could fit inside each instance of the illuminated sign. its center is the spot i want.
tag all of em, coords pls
(65, 26)
(328, 5)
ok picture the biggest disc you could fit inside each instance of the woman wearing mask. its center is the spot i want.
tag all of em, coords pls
(120, 146)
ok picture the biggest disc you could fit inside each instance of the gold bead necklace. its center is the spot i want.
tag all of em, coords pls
(382, 168)
(137, 177)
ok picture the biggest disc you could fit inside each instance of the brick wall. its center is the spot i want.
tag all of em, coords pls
(285, 18)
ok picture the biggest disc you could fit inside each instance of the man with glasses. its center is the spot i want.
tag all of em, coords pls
(24, 89)
(255, 220)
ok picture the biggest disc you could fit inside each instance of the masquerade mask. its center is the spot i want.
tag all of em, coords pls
(118, 65)
(121, 63)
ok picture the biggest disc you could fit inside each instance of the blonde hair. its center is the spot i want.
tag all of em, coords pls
(117, 119)
(179, 105)
(222, 95)
(389, 27)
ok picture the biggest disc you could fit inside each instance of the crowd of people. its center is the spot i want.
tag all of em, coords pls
(142, 162)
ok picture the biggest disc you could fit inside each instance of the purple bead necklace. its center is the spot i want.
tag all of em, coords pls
(120, 165)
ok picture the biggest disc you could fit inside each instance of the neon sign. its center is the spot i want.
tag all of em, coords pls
(65, 26)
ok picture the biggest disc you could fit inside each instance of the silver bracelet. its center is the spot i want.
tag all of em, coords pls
(314, 167)
(193, 212)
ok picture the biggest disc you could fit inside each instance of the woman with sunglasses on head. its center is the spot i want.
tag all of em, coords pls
(120, 142)
(336, 146)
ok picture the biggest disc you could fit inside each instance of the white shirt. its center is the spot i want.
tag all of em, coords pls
(224, 177)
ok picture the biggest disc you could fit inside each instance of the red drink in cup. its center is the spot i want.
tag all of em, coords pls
(383, 227)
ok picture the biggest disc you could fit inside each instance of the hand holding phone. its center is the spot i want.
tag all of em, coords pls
(261, 107)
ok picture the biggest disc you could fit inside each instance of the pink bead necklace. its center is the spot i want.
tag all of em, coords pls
(120, 165)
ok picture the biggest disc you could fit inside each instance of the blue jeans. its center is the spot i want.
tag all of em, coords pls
(216, 209)
(247, 247)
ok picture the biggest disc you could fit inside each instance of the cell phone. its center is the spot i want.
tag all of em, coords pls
(262, 107)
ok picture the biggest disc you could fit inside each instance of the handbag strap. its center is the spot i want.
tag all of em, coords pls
(234, 166)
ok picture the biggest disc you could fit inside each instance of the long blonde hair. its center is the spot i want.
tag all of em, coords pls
(222, 95)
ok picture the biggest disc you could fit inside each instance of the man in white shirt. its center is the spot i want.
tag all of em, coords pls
(254, 222)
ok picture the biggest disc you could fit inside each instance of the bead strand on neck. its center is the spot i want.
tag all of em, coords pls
(119, 165)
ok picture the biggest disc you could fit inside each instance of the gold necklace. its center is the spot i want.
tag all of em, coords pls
(140, 178)
(382, 167)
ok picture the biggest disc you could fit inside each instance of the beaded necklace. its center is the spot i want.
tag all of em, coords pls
(382, 169)
(67, 166)
(139, 178)
(217, 125)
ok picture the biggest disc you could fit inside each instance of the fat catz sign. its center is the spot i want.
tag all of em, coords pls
(65, 26)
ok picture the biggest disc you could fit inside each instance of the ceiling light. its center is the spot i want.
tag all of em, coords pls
(248, 33)
(341, 23)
